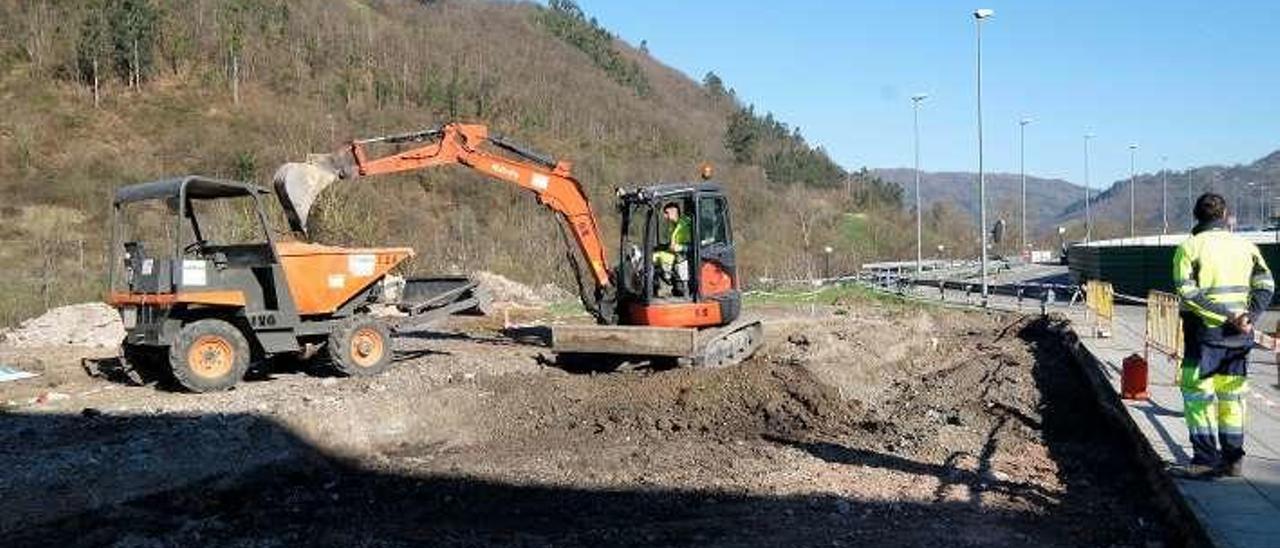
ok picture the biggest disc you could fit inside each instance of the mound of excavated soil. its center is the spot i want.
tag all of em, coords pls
(505, 290)
(748, 401)
(86, 324)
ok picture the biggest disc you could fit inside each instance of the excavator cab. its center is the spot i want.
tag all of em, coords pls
(691, 284)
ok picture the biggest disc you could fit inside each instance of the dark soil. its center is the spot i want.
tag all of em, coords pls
(842, 433)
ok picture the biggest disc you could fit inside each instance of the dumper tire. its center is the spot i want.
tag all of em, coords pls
(209, 355)
(360, 347)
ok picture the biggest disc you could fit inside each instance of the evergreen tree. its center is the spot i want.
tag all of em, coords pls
(93, 48)
(133, 32)
(714, 85)
(741, 135)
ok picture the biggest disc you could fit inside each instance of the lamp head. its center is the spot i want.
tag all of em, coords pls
(983, 13)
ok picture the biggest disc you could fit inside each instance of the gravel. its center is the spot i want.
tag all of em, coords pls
(86, 325)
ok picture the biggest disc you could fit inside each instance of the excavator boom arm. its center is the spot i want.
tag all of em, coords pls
(463, 144)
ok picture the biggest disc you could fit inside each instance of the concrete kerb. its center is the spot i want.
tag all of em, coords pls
(1168, 498)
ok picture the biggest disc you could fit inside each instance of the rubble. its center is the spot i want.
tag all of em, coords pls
(505, 290)
(86, 324)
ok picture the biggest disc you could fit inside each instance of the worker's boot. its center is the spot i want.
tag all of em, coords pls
(1234, 469)
(1196, 471)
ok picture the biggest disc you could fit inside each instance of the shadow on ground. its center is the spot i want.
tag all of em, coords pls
(298, 496)
(245, 480)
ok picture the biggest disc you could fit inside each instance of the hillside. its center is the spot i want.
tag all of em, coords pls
(959, 190)
(1111, 207)
(108, 92)
(1054, 202)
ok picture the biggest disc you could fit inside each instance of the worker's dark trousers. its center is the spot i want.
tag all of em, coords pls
(1214, 407)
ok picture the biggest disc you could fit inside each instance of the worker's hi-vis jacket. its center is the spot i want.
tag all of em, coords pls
(1218, 275)
(681, 235)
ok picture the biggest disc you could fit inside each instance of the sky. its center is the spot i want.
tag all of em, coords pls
(1196, 82)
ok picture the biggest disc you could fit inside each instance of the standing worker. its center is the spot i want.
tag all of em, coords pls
(1225, 286)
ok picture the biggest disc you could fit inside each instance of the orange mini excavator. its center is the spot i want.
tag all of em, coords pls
(697, 321)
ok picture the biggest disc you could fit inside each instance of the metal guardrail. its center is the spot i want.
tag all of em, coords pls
(1044, 294)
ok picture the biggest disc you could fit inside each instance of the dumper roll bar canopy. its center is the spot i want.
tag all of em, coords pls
(181, 190)
(192, 186)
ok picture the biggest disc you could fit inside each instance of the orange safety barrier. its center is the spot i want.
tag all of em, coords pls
(1164, 328)
(1164, 324)
(1099, 306)
(1165, 335)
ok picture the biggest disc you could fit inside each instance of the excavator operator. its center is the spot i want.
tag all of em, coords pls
(670, 262)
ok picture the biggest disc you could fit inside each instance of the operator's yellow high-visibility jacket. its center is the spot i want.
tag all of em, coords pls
(681, 235)
(1219, 275)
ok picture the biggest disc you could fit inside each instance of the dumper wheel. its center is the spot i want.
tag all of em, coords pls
(360, 347)
(209, 355)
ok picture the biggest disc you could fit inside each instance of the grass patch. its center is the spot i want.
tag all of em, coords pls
(566, 309)
(833, 295)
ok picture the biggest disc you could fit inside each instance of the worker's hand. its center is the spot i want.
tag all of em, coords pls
(1241, 322)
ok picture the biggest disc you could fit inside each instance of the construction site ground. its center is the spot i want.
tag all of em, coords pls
(862, 420)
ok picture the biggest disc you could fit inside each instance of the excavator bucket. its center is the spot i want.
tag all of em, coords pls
(299, 184)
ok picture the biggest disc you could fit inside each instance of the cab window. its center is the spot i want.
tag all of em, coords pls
(713, 226)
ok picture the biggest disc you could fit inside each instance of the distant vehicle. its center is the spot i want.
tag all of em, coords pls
(1062, 251)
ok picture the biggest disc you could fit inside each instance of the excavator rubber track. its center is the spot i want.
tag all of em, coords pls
(711, 347)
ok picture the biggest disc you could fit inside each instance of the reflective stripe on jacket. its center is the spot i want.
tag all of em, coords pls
(681, 235)
(1218, 275)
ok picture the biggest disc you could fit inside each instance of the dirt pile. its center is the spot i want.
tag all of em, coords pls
(504, 290)
(85, 324)
(747, 401)
(926, 427)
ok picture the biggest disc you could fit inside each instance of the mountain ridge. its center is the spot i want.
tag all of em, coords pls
(1054, 203)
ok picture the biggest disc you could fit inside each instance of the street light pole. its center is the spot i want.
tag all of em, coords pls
(915, 124)
(1022, 167)
(1260, 213)
(1262, 204)
(978, 16)
(1190, 202)
(1133, 180)
(1088, 218)
(1262, 217)
(1164, 195)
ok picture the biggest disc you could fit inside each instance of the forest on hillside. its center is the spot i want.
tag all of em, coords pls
(102, 93)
